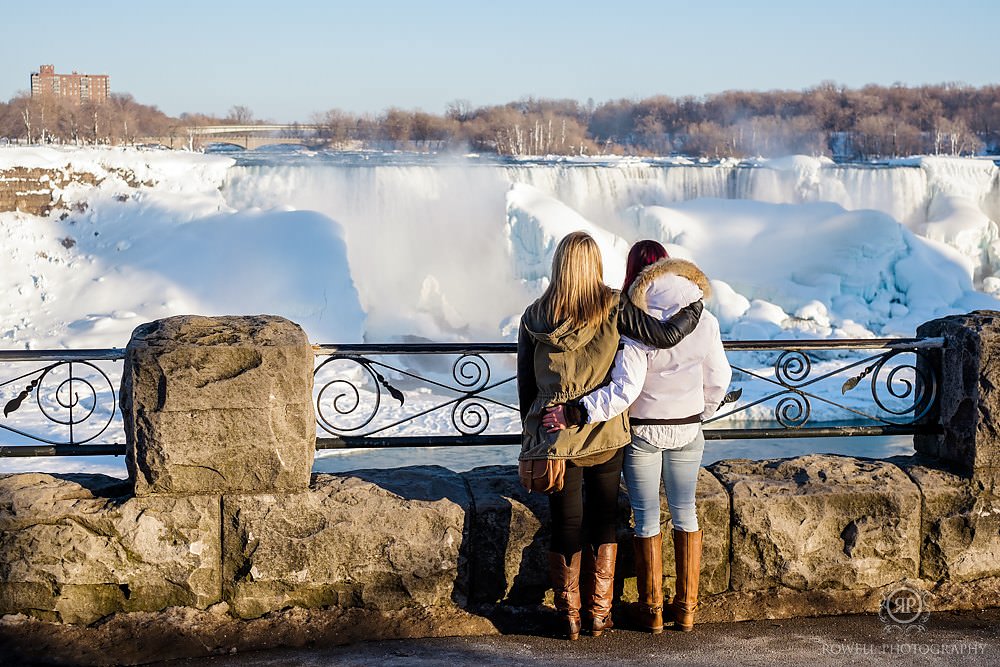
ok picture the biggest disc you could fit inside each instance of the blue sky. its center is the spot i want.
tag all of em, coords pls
(288, 59)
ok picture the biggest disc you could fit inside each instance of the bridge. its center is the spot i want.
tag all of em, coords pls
(248, 137)
(252, 136)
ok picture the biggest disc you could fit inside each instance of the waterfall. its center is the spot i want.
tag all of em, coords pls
(418, 235)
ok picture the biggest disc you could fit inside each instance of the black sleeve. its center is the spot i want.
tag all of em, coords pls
(576, 413)
(643, 327)
(527, 387)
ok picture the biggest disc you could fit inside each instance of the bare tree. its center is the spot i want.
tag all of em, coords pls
(335, 126)
(871, 121)
(460, 110)
(396, 124)
(240, 115)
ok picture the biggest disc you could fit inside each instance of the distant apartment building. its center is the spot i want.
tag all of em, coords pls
(77, 87)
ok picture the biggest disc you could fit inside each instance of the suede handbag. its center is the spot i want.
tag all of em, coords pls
(542, 475)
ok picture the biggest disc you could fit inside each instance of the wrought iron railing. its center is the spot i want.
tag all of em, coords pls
(433, 394)
(64, 399)
(462, 390)
(902, 379)
(903, 392)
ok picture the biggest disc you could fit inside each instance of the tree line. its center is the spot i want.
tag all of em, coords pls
(829, 119)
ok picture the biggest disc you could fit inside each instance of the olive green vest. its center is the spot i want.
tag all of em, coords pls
(567, 365)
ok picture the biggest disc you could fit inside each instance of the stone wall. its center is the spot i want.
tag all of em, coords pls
(36, 191)
(31, 190)
(221, 517)
(970, 395)
(813, 535)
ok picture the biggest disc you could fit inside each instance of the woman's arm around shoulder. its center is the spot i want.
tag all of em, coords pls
(643, 327)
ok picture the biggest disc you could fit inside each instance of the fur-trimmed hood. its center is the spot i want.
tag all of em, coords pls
(657, 288)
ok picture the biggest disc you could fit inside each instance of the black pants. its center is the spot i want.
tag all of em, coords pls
(586, 510)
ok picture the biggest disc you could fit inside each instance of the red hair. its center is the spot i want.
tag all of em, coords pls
(641, 255)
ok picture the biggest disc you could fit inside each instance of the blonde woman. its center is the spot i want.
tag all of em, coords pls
(566, 345)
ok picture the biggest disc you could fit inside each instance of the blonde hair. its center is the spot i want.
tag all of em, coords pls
(576, 293)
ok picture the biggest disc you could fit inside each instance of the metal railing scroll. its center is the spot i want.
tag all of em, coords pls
(440, 394)
(449, 391)
(59, 402)
(901, 376)
(781, 389)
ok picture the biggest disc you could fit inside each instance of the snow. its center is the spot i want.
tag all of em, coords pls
(126, 255)
(375, 250)
(795, 245)
(856, 265)
(178, 169)
(537, 222)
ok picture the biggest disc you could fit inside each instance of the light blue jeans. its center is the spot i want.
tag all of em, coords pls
(645, 463)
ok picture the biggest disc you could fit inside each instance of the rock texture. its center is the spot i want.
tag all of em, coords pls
(510, 531)
(32, 190)
(218, 405)
(969, 394)
(780, 602)
(38, 191)
(75, 548)
(960, 526)
(821, 522)
(378, 539)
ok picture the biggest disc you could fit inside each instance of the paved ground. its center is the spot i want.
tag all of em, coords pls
(966, 638)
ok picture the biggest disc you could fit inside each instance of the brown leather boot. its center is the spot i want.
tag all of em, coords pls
(647, 613)
(598, 586)
(565, 577)
(687, 553)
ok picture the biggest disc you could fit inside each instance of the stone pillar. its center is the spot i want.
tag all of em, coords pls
(218, 405)
(969, 394)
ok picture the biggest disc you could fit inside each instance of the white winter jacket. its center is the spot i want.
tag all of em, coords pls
(686, 380)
